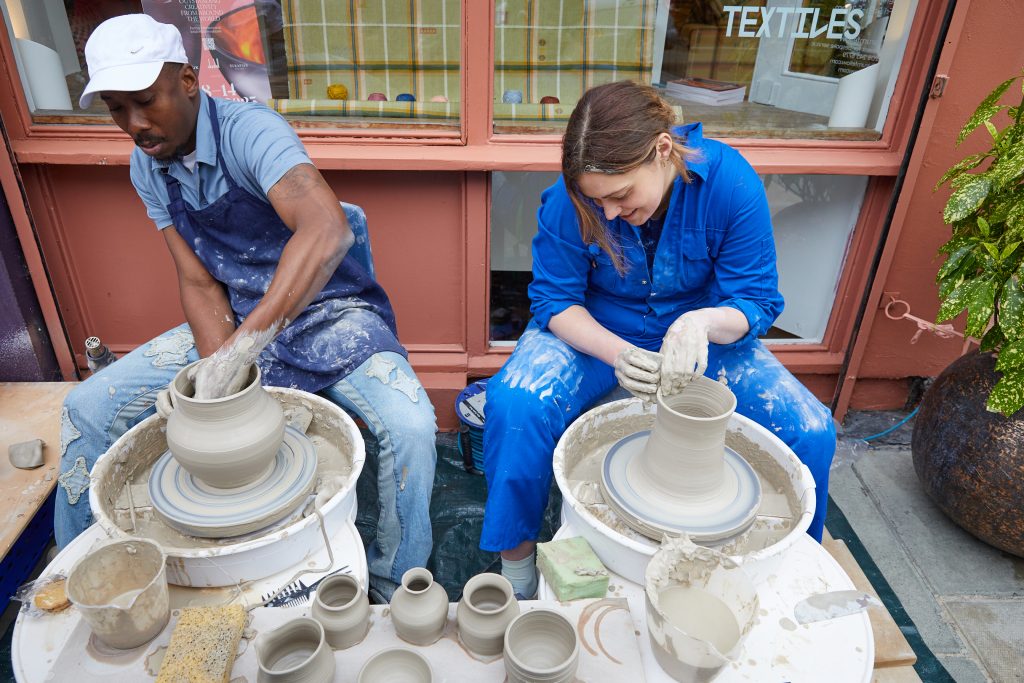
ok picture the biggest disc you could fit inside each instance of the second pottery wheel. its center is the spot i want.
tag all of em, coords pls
(705, 521)
(198, 509)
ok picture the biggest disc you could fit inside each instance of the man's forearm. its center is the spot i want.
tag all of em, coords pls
(209, 314)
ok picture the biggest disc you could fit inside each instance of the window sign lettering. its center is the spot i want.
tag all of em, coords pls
(796, 22)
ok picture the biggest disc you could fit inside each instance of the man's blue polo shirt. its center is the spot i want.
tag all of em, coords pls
(716, 249)
(258, 147)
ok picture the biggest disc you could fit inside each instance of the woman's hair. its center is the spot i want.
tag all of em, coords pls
(614, 129)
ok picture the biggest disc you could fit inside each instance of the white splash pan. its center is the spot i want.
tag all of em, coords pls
(627, 553)
(204, 562)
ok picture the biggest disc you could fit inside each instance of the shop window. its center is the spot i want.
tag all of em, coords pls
(365, 64)
(818, 69)
(813, 217)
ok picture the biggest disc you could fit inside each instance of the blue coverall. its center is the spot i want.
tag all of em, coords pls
(716, 249)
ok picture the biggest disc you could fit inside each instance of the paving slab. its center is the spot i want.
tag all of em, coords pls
(952, 561)
(878, 537)
(963, 669)
(995, 629)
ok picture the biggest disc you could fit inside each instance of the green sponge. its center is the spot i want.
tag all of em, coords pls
(572, 569)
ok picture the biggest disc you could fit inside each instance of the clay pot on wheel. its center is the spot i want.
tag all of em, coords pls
(225, 442)
(488, 605)
(419, 608)
(969, 459)
(343, 609)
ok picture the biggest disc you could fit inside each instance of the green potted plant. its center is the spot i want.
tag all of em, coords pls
(968, 443)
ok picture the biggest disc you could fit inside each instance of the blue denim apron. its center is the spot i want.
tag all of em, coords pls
(239, 238)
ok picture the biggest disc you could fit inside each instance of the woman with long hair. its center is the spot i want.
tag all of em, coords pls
(654, 263)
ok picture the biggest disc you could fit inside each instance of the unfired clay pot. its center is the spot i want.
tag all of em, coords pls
(343, 609)
(295, 652)
(419, 608)
(541, 645)
(396, 665)
(488, 605)
(225, 442)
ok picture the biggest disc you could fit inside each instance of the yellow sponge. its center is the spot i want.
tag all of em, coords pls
(203, 645)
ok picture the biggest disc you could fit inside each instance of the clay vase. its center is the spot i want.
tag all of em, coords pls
(541, 645)
(295, 652)
(683, 462)
(488, 605)
(419, 608)
(225, 442)
(396, 665)
(969, 460)
(343, 609)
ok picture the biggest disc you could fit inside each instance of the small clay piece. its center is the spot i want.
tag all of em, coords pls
(26, 455)
(512, 97)
(396, 664)
(541, 645)
(337, 91)
(299, 417)
(438, 98)
(419, 608)
(405, 97)
(549, 99)
(343, 609)
(488, 605)
(377, 97)
(52, 597)
(295, 652)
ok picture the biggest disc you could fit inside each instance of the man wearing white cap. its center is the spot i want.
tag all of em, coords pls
(260, 245)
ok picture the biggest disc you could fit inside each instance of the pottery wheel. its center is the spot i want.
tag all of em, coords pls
(198, 509)
(703, 521)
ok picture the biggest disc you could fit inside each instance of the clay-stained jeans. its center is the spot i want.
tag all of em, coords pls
(383, 392)
(546, 384)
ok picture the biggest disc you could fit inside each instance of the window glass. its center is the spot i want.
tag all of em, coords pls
(813, 217)
(364, 64)
(819, 69)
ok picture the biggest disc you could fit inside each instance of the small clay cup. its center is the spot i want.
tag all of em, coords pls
(295, 652)
(120, 589)
(541, 646)
(396, 665)
(343, 609)
(488, 605)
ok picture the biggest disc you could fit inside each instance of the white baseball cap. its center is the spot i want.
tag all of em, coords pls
(126, 54)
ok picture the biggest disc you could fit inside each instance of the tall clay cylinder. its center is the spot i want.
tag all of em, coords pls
(225, 442)
(343, 609)
(488, 605)
(688, 427)
(419, 608)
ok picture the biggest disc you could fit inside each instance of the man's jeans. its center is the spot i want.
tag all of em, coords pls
(383, 392)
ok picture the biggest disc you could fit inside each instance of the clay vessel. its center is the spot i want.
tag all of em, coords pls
(343, 609)
(397, 665)
(541, 645)
(225, 442)
(419, 608)
(120, 589)
(689, 427)
(295, 652)
(488, 605)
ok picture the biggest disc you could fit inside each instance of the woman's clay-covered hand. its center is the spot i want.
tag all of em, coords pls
(685, 350)
(638, 371)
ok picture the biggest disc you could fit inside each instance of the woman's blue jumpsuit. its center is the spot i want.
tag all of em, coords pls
(716, 249)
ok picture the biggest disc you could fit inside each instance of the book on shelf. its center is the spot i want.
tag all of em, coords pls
(706, 91)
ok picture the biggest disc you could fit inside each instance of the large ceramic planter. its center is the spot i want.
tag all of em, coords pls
(225, 442)
(969, 459)
(419, 608)
(488, 605)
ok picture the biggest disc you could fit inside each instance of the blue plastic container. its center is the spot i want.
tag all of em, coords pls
(469, 406)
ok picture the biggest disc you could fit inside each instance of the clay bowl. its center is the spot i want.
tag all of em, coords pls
(295, 652)
(541, 646)
(396, 665)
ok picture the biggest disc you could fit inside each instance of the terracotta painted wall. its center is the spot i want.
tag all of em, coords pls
(986, 54)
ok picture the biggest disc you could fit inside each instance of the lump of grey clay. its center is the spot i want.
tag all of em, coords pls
(26, 455)
(299, 417)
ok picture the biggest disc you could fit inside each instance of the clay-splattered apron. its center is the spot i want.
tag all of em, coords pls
(239, 238)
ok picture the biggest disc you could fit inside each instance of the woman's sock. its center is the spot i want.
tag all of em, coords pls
(522, 574)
